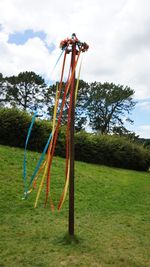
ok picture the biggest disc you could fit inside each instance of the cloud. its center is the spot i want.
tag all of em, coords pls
(144, 131)
(117, 32)
(28, 57)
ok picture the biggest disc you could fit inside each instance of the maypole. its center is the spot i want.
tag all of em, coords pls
(71, 178)
(74, 47)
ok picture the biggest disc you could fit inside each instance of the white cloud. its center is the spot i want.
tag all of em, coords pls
(30, 56)
(117, 32)
(143, 131)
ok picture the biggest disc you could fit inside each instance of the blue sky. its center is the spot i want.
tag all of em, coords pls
(119, 52)
(20, 38)
(141, 120)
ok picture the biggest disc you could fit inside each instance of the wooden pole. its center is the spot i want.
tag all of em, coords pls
(71, 181)
(74, 46)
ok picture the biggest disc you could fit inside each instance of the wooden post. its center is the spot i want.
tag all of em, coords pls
(73, 46)
(71, 181)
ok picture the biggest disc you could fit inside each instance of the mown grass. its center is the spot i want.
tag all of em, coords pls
(112, 219)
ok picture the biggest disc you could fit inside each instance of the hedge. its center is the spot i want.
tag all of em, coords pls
(93, 148)
(111, 151)
(14, 125)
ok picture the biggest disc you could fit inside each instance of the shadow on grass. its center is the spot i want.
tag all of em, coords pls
(68, 240)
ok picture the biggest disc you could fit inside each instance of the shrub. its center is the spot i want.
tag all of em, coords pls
(14, 128)
(101, 149)
(111, 151)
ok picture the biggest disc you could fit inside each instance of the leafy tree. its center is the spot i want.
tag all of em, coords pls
(80, 110)
(25, 90)
(122, 131)
(108, 105)
(49, 98)
(2, 90)
(81, 106)
(146, 143)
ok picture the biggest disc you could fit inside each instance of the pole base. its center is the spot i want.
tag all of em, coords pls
(70, 239)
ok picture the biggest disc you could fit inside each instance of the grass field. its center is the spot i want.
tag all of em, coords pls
(112, 217)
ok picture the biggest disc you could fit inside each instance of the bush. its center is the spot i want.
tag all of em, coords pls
(14, 128)
(111, 151)
(101, 149)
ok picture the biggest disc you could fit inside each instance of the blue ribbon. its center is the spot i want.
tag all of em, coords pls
(50, 136)
(25, 152)
(26, 143)
(41, 158)
(58, 59)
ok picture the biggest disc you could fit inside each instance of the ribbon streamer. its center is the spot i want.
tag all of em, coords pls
(25, 154)
(45, 165)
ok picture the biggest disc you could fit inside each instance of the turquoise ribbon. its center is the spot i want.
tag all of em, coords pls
(58, 59)
(26, 143)
(41, 158)
(25, 153)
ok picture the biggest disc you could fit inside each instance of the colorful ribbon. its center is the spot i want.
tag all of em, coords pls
(25, 154)
(52, 139)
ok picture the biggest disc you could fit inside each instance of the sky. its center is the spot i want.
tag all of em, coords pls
(117, 31)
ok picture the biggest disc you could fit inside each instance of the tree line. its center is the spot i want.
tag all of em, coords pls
(105, 107)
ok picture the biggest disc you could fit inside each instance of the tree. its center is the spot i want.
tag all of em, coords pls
(80, 110)
(122, 131)
(2, 90)
(25, 90)
(81, 106)
(49, 98)
(109, 106)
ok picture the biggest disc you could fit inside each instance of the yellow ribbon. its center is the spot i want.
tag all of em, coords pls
(46, 163)
(63, 196)
(49, 149)
(77, 83)
(41, 185)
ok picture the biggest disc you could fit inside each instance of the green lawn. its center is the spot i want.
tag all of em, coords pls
(112, 218)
